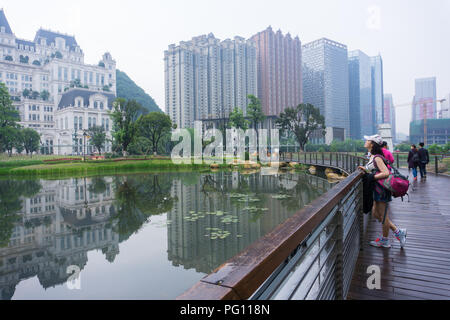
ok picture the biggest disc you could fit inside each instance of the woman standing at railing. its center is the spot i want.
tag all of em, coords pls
(381, 196)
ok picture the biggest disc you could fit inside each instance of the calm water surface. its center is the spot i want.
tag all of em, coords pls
(146, 236)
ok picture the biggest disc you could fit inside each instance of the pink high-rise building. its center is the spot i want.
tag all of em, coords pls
(279, 70)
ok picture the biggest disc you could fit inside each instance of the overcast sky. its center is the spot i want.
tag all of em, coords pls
(412, 36)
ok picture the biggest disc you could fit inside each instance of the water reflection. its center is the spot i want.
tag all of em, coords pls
(189, 243)
(47, 226)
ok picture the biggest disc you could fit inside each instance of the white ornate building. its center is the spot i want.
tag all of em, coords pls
(51, 65)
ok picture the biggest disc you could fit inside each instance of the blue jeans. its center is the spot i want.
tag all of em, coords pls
(414, 170)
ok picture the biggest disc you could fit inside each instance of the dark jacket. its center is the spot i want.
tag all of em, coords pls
(368, 185)
(424, 156)
(411, 162)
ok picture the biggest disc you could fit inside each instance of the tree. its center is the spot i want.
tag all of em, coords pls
(26, 93)
(45, 95)
(124, 116)
(101, 64)
(140, 146)
(435, 149)
(76, 83)
(35, 95)
(403, 147)
(9, 58)
(98, 137)
(237, 119)
(255, 113)
(8, 114)
(106, 89)
(31, 140)
(18, 143)
(36, 63)
(58, 55)
(302, 121)
(154, 126)
(23, 59)
(9, 139)
(9, 117)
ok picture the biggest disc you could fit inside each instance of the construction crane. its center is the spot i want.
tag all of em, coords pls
(425, 116)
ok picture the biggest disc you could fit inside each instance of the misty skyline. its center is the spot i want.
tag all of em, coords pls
(411, 36)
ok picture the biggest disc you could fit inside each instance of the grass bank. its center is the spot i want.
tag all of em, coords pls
(96, 167)
(39, 168)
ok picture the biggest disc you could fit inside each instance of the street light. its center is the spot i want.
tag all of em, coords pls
(84, 144)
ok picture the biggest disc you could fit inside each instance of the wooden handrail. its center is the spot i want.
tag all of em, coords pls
(242, 275)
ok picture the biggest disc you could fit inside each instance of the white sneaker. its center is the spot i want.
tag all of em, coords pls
(380, 243)
(402, 237)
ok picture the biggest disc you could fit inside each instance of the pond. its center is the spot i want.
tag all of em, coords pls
(137, 236)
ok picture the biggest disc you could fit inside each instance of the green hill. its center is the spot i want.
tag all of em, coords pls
(127, 89)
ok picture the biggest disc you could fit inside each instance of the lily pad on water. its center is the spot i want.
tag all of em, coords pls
(217, 234)
(281, 196)
(229, 219)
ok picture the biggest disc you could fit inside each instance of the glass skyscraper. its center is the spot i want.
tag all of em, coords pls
(325, 85)
(360, 95)
(377, 90)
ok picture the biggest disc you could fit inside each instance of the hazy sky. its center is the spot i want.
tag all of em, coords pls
(412, 36)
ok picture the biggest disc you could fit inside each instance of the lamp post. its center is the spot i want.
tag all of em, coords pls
(84, 144)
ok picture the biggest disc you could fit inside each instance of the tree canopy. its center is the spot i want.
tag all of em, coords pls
(98, 137)
(124, 116)
(302, 120)
(237, 119)
(154, 126)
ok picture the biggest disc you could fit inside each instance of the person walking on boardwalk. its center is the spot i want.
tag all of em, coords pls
(413, 160)
(424, 159)
(381, 196)
(387, 154)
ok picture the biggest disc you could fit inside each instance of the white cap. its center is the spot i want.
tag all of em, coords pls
(375, 138)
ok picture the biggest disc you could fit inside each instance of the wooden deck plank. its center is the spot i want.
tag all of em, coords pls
(422, 269)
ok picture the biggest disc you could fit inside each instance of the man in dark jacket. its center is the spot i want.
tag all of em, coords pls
(424, 159)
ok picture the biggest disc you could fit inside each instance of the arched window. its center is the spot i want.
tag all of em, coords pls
(75, 123)
(95, 105)
(67, 123)
(94, 122)
(89, 122)
(101, 105)
(80, 123)
(107, 124)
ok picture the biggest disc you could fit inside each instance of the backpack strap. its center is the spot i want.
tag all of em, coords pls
(379, 156)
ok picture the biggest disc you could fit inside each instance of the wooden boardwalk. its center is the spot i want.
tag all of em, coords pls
(422, 269)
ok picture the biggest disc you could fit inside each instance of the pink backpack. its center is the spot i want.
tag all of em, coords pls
(397, 183)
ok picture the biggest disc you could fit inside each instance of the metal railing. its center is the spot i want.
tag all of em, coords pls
(312, 255)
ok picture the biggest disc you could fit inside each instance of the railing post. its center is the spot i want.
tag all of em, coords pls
(331, 158)
(398, 161)
(310, 156)
(323, 158)
(436, 165)
(339, 275)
